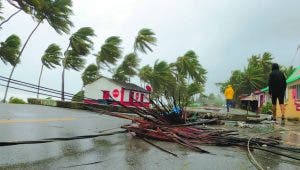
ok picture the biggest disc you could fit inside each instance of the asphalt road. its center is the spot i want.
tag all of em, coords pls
(121, 151)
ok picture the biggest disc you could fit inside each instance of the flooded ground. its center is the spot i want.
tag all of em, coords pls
(121, 151)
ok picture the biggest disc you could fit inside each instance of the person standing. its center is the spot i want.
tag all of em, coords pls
(277, 86)
(229, 92)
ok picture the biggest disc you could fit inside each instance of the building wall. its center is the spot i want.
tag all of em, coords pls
(291, 103)
(94, 90)
(126, 95)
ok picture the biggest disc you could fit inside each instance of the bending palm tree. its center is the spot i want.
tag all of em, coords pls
(144, 40)
(9, 50)
(57, 13)
(110, 52)
(90, 74)
(6, 20)
(80, 45)
(128, 68)
(188, 65)
(145, 73)
(50, 59)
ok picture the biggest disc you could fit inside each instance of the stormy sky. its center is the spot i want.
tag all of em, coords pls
(224, 33)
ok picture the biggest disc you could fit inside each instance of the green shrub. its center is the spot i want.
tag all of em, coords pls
(48, 102)
(34, 101)
(78, 97)
(77, 105)
(15, 100)
(267, 109)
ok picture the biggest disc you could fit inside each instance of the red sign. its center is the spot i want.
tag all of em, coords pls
(115, 93)
(148, 88)
(137, 95)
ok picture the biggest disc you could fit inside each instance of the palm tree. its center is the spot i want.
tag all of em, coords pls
(130, 64)
(56, 13)
(50, 59)
(9, 50)
(110, 52)
(162, 78)
(80, 44)
(6, 20)
(128, 68)
(90, 74)
(144, 40)
(188, 66)
(119, 75)
(145, 73)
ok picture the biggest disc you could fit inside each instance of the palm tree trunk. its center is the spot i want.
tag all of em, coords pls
(63, 75)
(20, 54)
(38, 92)
(6, 90)
(63, 85)
(3, 22)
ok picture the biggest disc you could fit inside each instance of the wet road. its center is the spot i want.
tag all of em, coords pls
(121, 151)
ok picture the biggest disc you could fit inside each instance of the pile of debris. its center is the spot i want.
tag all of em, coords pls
(170, 124)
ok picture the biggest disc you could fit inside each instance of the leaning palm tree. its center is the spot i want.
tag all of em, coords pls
(57, 14)
(50, 59)
(188, 66)
(9, 50)
(130, 65)
(90, 74)
(119, 74)
(110, 52)
(1, 18)
(127, 69)
(145, 73)
(80, 44)
(7, 19)
(144, 40)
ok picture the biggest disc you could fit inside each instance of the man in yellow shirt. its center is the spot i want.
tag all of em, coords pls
(229, 93)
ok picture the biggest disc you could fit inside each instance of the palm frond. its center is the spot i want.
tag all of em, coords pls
(110, 51)
(81, 42)
(52, 56)
(144, 39)
(73, 61)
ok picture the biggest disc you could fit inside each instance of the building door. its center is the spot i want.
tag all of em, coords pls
(105, 95)
(131, 95)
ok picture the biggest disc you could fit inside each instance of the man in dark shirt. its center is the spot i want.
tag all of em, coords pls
(277, 86)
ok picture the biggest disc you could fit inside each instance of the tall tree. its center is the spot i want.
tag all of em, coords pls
(56, 13)
(9, 50)
(110, 52)
(144, 40)
(90, 74)
(80, 45)
(50, 59)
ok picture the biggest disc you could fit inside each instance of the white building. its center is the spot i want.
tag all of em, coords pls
(106, 90)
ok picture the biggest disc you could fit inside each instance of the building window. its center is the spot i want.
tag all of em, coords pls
(142, 97)
(297, 91)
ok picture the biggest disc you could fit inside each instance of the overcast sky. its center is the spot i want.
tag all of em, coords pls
(224, 33)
